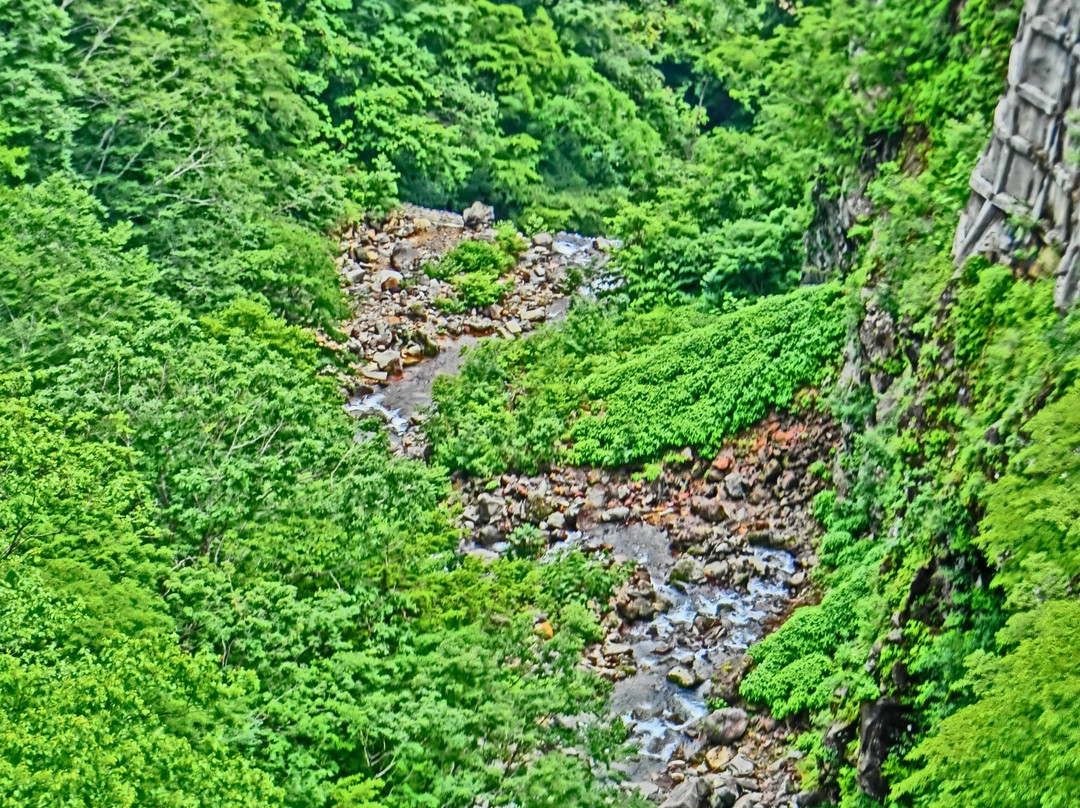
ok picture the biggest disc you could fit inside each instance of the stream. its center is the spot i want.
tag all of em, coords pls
(667, 664)
(662, 716)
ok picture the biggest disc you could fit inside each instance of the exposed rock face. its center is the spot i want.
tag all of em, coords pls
(1025, 170)
(879, 723)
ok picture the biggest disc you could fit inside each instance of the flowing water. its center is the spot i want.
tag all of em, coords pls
(408, 395)
(661, 715)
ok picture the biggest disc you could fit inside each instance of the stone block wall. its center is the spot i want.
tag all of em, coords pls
(1030, 170)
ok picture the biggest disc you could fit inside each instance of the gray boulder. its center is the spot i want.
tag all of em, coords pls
(692, 793)
(478, 216)
(725, 726)
(405, 256)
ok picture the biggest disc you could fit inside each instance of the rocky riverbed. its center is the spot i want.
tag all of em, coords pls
(721, 546)
(400, 335)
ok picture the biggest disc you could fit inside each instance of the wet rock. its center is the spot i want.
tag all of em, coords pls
(478, 216)
(726, 726)
(683, 677)
(687, 569)
(716, 570)
(692, 793)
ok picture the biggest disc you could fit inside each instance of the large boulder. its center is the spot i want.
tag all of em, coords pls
(692, 793)
(478, 216)
(404, 256)
(683, 677)
(726, 726)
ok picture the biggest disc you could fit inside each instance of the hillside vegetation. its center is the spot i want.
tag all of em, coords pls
(212, 593)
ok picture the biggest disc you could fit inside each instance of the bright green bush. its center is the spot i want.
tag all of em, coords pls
(579, 391)
(1017, 744)
(706, 384)
(1032, 523)
(473, 268)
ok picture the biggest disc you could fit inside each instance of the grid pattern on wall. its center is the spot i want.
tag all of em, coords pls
(1029, 171)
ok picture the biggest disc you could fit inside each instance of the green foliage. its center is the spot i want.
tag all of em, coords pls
(134, 722)
(705, 385)
(63, 275)
(473, 268)
(797, 668)
(1032, 512)
(184, 500)
(1018, 742)
(578, 391)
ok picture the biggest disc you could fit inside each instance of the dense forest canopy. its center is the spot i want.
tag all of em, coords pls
(213, 594)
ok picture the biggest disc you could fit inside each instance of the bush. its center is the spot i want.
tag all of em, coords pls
(578, 391)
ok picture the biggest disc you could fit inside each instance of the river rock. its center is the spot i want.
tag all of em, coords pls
(638, 608)
(478, 216)
(543, 240)
(490, 507)
(556, 520)
(692, 793)
(748, 800)
(620, 513)
(724, 796)
(716, 758)
(682, 676)
(388, 279)
(687, 569)
(490, 534)
(735, 485)
(726, 726)
(741, 766)
(404, 256)
(388, 361)
(711, 509)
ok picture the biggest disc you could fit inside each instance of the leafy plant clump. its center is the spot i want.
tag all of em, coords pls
(577, 392)
(474, 268)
